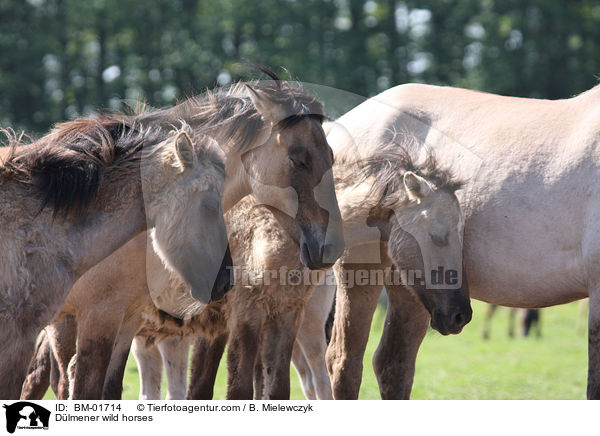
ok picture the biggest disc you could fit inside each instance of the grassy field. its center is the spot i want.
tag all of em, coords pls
(467, 367)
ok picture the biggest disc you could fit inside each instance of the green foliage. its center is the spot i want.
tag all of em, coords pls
(63, 58)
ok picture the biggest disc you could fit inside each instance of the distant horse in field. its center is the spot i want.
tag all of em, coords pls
(530, 320)
(532, 217)
(276, 150)
(104, 181)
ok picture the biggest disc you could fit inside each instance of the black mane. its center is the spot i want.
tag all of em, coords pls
(67, 165)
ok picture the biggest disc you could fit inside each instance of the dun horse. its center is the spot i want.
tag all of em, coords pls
(532, 221)
(388, 190)
(276, 150)
(106, 181)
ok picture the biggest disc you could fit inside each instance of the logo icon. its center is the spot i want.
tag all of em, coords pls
(26, 415)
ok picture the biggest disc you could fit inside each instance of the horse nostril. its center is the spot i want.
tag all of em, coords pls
(458, 319)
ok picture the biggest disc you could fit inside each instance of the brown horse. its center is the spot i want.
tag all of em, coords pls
(275, 149)
(105, 182)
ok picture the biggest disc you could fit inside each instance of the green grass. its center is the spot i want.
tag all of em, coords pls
(466, 367)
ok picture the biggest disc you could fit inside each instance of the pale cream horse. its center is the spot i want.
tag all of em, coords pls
(532, 217)
(275, 149)
(105, 182)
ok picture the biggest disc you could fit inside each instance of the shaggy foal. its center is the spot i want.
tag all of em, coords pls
(265, 319)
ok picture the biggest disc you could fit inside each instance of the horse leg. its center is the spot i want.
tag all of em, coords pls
(512, 316)
(54, 374)
(18, 338)
(149, 365)
(405, 326)
(531, 321)
(174, 352)
(487, 320)
(538, 324)
(55, 348)
(304, 373)
(113, 383)
(259, 381)
(94, 351)
(38, 375)
(63, 336)
(206, 357)
(313, 352)
(354, 311)
(276, 345)
(241, 356)
(312, 343)
(71, 375)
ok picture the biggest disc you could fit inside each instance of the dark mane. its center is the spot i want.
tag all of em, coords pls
(67, 165)
(230, 116)
(388, 166)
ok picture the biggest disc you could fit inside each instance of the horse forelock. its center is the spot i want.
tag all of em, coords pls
(385, 169)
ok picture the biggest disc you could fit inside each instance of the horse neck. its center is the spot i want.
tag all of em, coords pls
(237, 184)
(117, 216)
(236, 181)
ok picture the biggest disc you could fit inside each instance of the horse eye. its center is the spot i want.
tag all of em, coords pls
(298, 163)
(299, 156)
(438, 240)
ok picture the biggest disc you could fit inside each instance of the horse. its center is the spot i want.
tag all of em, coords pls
(530, 319)
(264, 321)
(530, 206)
(71, 198)
(276, 150)
(262, 309)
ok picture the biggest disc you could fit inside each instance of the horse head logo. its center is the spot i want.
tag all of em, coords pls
(30, 415)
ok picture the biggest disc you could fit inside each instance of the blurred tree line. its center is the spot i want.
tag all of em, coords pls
(62, 58)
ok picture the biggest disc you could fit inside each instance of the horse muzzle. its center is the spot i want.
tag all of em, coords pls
(452, 320)
(315, 255)
(224, 280)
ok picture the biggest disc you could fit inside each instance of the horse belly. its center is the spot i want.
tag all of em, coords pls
(510, 267)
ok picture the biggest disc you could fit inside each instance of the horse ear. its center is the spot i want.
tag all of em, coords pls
(416, 186)
(266, 107)
(184, 149)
